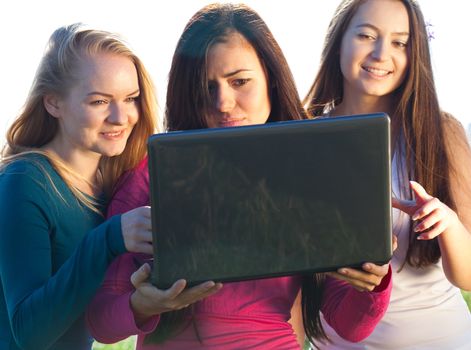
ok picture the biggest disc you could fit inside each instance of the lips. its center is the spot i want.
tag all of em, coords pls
(236, 121)
(376, 71)
(113, 134)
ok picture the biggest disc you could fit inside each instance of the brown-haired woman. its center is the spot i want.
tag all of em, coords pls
(227, 70)
(376, 59)
(86, 119)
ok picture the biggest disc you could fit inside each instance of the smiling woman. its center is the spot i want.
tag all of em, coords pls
(307, 21)
(86, 119)
(377, 58)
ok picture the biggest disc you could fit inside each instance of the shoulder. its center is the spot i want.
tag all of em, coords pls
(456, 142)
(33, 168)
(452, 128)
(136, 176)
(132, 190)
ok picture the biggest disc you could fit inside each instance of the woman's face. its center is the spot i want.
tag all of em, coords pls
(373, 52)
(100, 111)
(238, 84)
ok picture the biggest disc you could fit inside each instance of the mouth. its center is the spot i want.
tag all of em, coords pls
(227, 122)
(113, 134)
(377, 72)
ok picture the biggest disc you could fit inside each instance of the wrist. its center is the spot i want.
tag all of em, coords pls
(140, 311)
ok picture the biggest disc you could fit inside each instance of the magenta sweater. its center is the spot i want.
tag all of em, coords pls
(242, 315)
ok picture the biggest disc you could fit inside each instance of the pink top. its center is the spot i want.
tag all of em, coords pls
(249, 314)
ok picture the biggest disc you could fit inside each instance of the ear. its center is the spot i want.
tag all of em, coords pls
(52, 105)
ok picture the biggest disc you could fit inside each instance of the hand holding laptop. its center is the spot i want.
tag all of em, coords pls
(147, 300)
(369, 277)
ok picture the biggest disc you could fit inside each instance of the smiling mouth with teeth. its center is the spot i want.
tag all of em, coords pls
(113, 134)
(376, 71)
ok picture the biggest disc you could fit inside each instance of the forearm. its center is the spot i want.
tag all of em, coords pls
(110, 316)
(455, 247)
(62, 298)
(354, 314)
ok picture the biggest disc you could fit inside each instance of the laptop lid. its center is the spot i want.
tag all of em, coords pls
(269, 200)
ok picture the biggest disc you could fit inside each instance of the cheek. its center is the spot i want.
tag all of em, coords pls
(261, 104)
(346, 60)
(403, 64)
(134, 114)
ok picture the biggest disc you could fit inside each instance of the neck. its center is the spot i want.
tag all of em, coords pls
(82, 168)
(364, 105)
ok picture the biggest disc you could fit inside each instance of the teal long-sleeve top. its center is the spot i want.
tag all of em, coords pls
(54, 253)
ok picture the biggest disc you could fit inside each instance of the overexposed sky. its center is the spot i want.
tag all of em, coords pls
(152, 27)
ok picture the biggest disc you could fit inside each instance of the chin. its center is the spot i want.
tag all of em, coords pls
(113, 152)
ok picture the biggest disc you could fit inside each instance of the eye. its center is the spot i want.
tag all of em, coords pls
(240, 82)
(98, 102)
(400, 44)
(133, 99)
(366, 36)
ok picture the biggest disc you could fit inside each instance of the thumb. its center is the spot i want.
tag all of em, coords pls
(141, 275)
(419, 191)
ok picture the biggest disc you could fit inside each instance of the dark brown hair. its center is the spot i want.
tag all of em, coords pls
(188, 102)
(188, 97)
(417, 122)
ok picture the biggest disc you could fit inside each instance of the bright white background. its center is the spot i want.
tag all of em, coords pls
(153, 28)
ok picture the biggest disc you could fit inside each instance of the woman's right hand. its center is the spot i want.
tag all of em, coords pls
(136, 226)
(147, 300)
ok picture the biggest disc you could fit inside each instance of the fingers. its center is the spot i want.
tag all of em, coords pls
(141, 275)
(177, 297)
(175, 290)
(359, 285)
(430, 206)
(419, 191)
(394, 242)
(199, 292)
(142, 242)
(362, 280)
(136, 226)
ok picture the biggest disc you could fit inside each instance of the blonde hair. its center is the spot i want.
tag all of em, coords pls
(56, 74)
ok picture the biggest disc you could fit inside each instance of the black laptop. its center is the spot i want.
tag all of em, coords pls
(283, 198)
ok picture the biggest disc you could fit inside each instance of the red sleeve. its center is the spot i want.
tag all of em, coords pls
(354, 314)
(132, 190)
(109, 315)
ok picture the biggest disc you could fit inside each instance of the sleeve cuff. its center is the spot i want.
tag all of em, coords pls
(115, 237)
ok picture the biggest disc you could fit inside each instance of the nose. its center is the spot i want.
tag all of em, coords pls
(380, 50)
(224, 99)
(118, 114)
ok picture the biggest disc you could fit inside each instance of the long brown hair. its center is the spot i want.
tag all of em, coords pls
(417, 122)
(56, 74)
(188, 101)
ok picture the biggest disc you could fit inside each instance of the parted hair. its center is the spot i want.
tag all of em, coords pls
(417, 122)
(58, 71)
(188, 104)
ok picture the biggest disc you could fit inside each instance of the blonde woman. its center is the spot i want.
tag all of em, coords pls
(85, 121)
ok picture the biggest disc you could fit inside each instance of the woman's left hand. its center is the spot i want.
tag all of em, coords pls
(367, 279)
(362, 280)
(431, 217)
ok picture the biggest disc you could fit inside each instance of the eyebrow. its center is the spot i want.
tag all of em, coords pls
(108, 95)
(368, 25)
(230, 74)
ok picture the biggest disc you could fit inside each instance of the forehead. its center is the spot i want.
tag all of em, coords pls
(100, 71)
(382, 14)
(235, 52)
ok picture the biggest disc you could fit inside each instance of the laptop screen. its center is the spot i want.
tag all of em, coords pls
(270, 200)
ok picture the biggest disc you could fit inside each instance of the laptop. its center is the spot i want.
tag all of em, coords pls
(283, 198)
